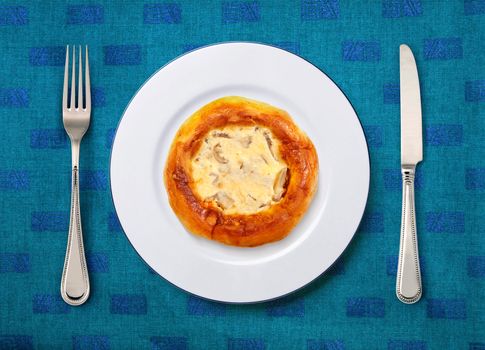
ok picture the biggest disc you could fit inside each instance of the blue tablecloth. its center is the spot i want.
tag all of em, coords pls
(351, 307)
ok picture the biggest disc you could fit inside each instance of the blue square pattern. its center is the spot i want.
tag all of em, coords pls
(91, 342)
(122, 55)
(110, 135)
(453, 309)
(47, 56)
(474, 7)
(15, 180)
(240, 11)
(324, 344)
(392, 93)
(356, 43)
(443, 48)
(48, 139)
(14, 97)
(190, 47)
(17, 342)
(338, 268)
(312, 10)
(169, 343)
(93, 180)
(97, 262)
(199, 307)
(168, 13)
(57, 221)
(14, 262)
(245, 344)
(476, 266)
(13, 15)
(475, 178)
(401, 8)
(364, 51)
(475, 91)
(406, 345)
(114, 224)
(49, 304)
(445, 222)
(128, 304)
(374, 135)
(291, 46)
(372, 222)
(286, 307)
(98, 96)
(85, 14)
(366, 307)
(444, 135)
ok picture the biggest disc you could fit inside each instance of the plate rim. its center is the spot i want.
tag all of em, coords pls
(368, 184)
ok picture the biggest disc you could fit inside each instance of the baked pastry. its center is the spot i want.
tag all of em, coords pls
(240, 172)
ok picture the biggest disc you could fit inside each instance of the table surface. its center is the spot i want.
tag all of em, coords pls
(353, 306)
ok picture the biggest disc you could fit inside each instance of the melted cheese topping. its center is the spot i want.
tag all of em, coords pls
(239, 168)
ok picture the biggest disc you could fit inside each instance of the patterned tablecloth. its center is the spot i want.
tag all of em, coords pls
(353, 306)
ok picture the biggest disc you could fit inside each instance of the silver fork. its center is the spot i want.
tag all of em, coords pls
(75, 116)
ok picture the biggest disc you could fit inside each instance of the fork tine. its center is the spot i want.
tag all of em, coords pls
(88, 83)
(66, 78)
(73, 80)
(80, 82)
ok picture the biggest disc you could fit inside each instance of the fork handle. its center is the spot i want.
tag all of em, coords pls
(75, 280)
(408, 284)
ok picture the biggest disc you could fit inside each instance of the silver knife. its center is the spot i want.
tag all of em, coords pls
(408, 284)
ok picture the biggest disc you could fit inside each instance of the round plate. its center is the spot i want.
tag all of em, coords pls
(207, 268)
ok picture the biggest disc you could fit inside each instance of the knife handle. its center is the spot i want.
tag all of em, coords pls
(408, 284)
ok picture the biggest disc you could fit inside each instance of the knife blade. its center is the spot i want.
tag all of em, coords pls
(408, 282)
(411, 119)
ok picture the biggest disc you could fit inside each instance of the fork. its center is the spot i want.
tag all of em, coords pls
(75, 116)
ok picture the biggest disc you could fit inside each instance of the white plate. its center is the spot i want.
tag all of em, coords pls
(207, 268)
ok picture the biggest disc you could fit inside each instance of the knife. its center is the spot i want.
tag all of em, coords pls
(408, 284)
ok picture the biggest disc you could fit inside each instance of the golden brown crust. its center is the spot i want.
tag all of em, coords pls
(205, 219)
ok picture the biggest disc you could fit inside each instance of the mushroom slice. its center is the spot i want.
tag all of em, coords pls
(264, 158)
(221, 134)
(246, 141)
(270, 143)
(254, 199)
(279, 184)
(216, 178)
(224, 169)
(223, 200)
(217, 152)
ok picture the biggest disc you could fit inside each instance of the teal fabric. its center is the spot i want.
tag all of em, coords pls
(353, 306)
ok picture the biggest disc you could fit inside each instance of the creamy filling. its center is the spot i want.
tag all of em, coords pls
(240, 169)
